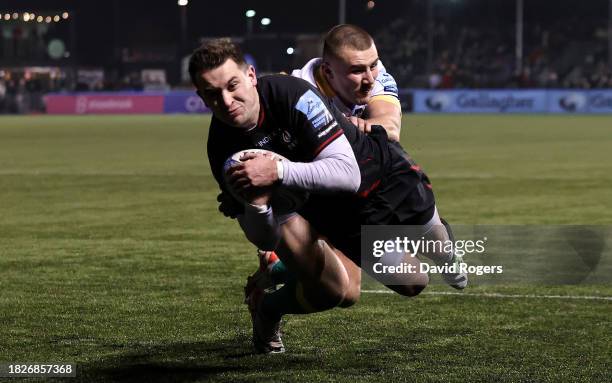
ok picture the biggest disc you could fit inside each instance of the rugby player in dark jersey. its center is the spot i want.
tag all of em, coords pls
(353, 179)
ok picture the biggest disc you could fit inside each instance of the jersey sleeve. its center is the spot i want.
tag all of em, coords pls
(385, 87)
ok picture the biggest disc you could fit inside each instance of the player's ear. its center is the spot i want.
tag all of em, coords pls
(250, 72)
(327, 70)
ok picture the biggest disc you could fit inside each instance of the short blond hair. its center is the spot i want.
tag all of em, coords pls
(345, 36)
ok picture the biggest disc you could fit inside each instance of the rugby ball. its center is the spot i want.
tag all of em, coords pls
(283, 200)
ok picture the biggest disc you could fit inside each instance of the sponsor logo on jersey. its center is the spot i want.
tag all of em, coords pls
(288, 140)
(264, 141)
(388, 83)
(314, 109)
(286, 136)
(326, 131)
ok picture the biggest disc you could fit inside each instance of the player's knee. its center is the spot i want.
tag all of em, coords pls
(415, 290)
(410, 290)
(329, 296)
(418, 283)
(339, 288)
(353, 292)
(323, 294)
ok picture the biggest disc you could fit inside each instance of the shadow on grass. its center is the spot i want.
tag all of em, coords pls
(220, 360)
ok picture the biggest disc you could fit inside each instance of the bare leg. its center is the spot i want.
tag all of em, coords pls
(354, 274)
(408, 284)
(322, 275)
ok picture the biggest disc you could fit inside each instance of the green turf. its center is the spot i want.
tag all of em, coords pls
(113, 256)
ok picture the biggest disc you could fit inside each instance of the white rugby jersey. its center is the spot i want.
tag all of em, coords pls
(385, 87)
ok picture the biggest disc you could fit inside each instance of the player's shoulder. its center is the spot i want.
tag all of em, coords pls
(383, 76)
(280, 79)
(307, 72)
(280, 85)
(381, 67)
(385, 83)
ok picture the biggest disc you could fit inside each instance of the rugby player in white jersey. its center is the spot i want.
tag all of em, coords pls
(351, 75)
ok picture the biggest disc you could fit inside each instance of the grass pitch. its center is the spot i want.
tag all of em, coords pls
(113, 256)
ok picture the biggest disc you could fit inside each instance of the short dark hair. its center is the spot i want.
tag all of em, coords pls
(346, 35)
(212, 54)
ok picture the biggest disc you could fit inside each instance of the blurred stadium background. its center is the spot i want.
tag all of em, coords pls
(113, 254)
(63, 46)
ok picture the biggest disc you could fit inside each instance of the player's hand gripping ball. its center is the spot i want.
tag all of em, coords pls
(282, 199)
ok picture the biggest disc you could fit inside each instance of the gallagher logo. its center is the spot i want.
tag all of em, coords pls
(572, 102)
(437, 102)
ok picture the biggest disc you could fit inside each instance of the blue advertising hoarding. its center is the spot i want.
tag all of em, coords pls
(184, 101)
(513, 101)
(416, 101)
(599, 101)
(488, 101)
(569, 101)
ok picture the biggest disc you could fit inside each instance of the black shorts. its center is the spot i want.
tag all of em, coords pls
(403, 197)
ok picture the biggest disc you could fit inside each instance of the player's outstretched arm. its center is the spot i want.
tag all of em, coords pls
(387, 114)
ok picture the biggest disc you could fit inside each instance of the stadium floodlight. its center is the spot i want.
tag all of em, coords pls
(26, 17)
(265, 21)
(65, 15)
(48, 19)
(250, 13)
(290, 50)
(40, 19)
(7, 17)
(56, 18)
(15, 16)
(183, 3)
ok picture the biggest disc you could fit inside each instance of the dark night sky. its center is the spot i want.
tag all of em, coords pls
(104, 26)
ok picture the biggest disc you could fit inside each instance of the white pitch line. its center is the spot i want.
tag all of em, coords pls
(498, 295)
